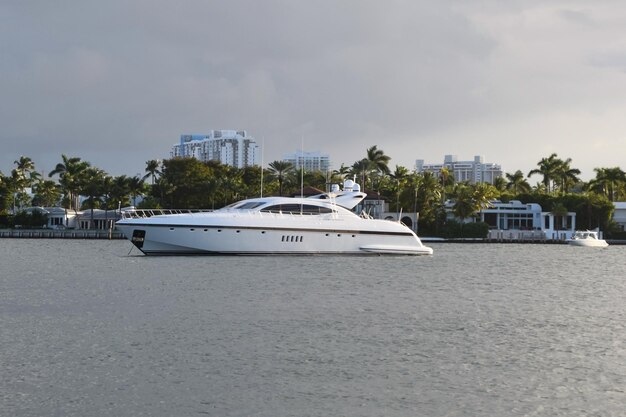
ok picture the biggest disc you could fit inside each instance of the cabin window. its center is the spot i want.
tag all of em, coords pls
(297, 209)
(249, 205)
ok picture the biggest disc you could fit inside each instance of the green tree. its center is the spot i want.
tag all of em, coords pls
(471, 198)
(399, 179)
(342, 173)
(360, 170)
(92, 187)
(608, 181)
(517, 183)
(118, 189)
(379, 161)
(565, 175)
(185, 183)
(22, 177)
(47, 193)
(71, 172)
(153, 170)
(136, 188)
(279, 170)
(547, 169)
(421, 194)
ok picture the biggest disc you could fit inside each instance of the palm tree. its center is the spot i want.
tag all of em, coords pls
(380, 161)
(565, 175)
(136, 187)
(399, 176)
(23, 176)
(25, 169)
(464, 206)
(120, 190)
(559, 211)
(428, 196)
(153, 169)
(92, 186)
(500, 184)
(547, 168)
(70, 173)
(47, 193)
(361, 170)
(342, 172)
(517, 183)
(279, 169)
(607, 181)
(471, 198)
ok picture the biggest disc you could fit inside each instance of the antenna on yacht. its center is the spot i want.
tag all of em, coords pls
(262, 150)
(302, 167)
(301, 173)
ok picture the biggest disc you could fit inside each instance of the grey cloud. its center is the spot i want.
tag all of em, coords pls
(117, 82)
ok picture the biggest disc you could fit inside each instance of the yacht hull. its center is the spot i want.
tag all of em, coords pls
(215, 239)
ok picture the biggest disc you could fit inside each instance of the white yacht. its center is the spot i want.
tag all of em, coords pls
(322, 224)
(587, 238)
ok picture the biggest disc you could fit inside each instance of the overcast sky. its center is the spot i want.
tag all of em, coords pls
(117, 82)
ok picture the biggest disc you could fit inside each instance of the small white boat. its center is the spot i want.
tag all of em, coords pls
(322, 224)
(587, 238)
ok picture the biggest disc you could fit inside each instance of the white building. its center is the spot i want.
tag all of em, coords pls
(473, 171)
(518, 221)
(619, 215)
(310, 161)
(230, 147)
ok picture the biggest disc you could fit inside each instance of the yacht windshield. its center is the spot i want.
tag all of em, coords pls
(243, 205)
(297, 209)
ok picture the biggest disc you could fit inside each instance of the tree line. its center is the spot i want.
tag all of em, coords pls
(189, 183)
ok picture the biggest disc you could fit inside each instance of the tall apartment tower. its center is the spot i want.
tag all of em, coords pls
(230, 147)
(310, 161)
(473, 171)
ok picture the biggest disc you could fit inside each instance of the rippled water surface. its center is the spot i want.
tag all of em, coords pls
(88, 329)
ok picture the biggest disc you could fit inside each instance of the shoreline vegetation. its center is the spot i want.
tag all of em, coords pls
(191, 184)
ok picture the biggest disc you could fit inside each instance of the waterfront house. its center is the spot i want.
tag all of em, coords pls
(515, 220)
(98, 220)
(619, 214)
(58, 217)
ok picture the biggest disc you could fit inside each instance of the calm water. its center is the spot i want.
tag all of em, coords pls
(475, 330)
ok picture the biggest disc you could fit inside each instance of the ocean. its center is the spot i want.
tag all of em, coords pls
(94, 328)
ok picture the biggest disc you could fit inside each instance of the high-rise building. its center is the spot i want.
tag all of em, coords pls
(310, 161)
(473, 171)
(230, 147)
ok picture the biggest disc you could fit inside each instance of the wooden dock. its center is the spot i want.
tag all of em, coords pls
(60, 234)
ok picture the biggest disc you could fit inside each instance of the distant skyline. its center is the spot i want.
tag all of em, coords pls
(116, 83)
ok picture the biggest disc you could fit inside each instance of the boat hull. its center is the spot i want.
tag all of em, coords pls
(588, 243)
(252, 240)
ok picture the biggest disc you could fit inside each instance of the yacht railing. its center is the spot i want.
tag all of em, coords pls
(145, 213)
